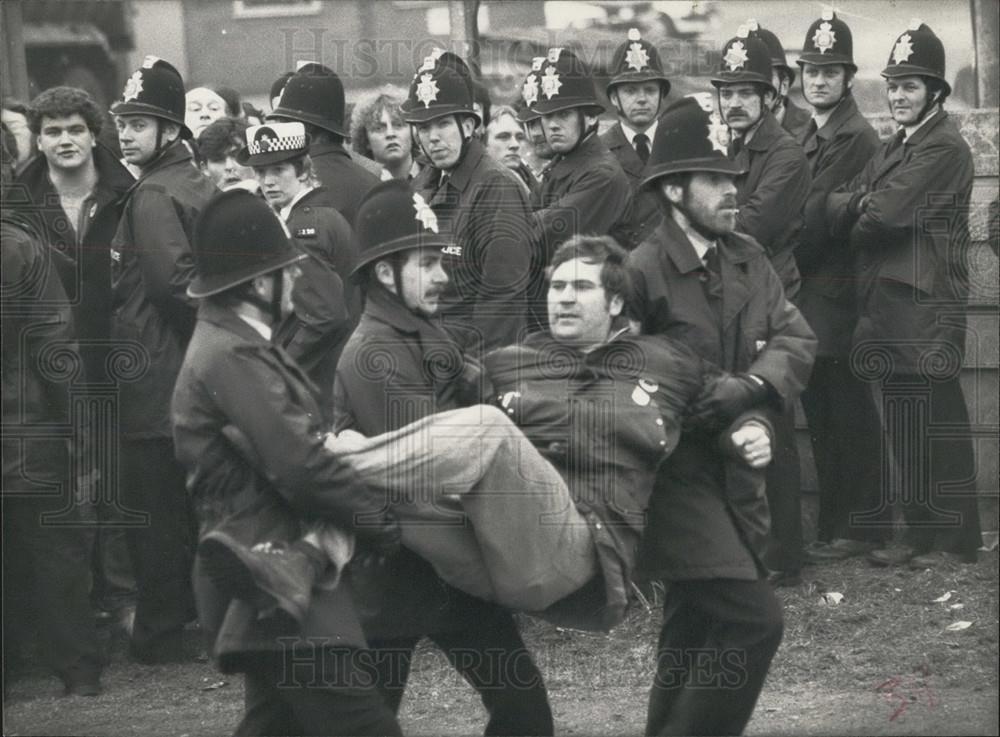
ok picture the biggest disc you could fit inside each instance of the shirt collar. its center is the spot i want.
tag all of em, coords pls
(700, 243)
(822, 118)
(285, 211)
(263, 328)
(630, 133)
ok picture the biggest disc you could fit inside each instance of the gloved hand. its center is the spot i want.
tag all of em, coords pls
(723, 399)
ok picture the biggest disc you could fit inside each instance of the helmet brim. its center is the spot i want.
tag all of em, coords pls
(716, 166)
(201, 287)
(301, 116)
(406, 243)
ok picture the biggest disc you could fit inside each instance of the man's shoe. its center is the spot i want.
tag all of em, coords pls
(895, 555)
(784, 578)
(839, 549)
(936, 559)
(278, 576)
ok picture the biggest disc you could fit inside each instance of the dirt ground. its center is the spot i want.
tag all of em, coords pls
(882, 661)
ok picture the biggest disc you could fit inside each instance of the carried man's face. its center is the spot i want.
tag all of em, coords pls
(580, 312)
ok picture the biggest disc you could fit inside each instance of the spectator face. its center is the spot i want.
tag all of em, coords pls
(66, 143)
(740, 105)
(389, 139)
(907, 98)
(639, 102)
(563, 129)
(422, 278)
(823, 86)
(280, 183)
(17, 124)
(203, 107)
(579, 309)
(137, 137)
(225, 172)
(504, 141)
(442, 139)
(708, 200)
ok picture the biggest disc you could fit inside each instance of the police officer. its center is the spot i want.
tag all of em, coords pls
(314, 96)
(402, 275)
(475, 199)
(793, 119)
(326, 303)
(638, 90)
(585, 189)
(770, 196)
(906, 218)
(152, 267)
(234, 376)
(715, 290)
(843, 425)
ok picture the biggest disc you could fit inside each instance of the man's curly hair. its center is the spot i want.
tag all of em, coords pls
(61, 102)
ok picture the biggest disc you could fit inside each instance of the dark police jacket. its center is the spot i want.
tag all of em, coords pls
(585, 191)
(836, 154)
(771, 196)
(484, 207)
(911, 243)
(327, 303)
(233, 376)
(152, 265)
(646, 209)
(346, 181)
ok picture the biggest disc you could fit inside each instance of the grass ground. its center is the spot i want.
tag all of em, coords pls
(880, 662)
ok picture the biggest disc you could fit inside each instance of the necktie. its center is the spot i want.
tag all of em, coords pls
(711, 281)
(711, 260)
(735, 146)
(641, 142)
(811, 130)
(896, 141)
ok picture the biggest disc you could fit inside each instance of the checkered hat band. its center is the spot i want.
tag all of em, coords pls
(270, 145)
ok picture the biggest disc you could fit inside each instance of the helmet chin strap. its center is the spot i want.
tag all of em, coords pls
(584, 132)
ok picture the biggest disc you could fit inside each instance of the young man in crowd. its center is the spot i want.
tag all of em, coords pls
(75, 188)
(379, 132)
(151, 268)
(506, 142)
(218, 145)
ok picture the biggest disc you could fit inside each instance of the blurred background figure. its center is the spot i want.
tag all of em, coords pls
(218, 145)
(204, 106)
(15, 116)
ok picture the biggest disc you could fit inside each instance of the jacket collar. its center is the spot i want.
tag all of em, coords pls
(923, 131)
(589, 147)
(461, 175)
(681, 252)
(387, 308)
(328, 149)
(226, 318)
(766, 134)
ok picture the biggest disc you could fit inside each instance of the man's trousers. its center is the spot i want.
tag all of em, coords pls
(715, 648)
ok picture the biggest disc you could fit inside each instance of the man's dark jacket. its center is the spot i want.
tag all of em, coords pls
(836, 154)
(346, 182)
(771, 196)
(82, 260)
(233, 376)
(484, 207)
(646, 209)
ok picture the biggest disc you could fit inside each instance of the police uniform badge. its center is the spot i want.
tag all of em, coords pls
(427, 90)
(550, 83)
